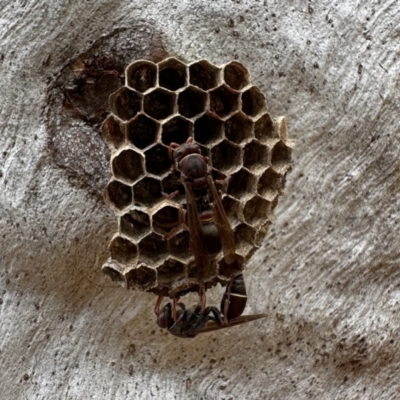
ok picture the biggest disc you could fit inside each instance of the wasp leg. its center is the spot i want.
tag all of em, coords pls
(174, 304)
(216, 314)
(159, 301)
(203, 300)
(223, 182)
(170, 196)
(181, 222)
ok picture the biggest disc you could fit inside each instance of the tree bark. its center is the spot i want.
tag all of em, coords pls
(327, 274)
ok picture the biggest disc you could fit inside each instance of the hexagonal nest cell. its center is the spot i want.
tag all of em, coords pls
(248, 151)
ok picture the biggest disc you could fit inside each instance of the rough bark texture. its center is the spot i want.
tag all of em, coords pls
(328, 273)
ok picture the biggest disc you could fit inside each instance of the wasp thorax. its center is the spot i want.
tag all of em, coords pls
(245, 150)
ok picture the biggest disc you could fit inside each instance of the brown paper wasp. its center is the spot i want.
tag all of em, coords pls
(201, 216)
(210, 232)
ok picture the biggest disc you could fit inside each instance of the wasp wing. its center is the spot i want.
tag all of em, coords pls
(197, 240)
(223, 225)
(213, 326)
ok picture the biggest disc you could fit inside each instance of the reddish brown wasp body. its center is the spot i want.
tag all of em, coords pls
(206, 241)
(210, 232)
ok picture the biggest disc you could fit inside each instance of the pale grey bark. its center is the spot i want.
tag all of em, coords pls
(328, 273)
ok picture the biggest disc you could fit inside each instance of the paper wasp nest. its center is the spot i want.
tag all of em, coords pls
(220, 108)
